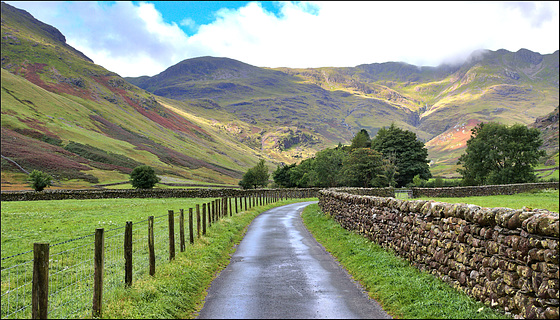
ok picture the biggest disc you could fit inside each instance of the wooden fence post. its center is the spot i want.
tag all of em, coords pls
(40, 285)
(98, 262)
(151, 249)
(204, 219)
(236, 208)
(171, 220)
(198, 220)
(191, 231)
(208, 205)
(128, 254)
(245, 198)
(214, 210)
(229, 203)
(182, 230)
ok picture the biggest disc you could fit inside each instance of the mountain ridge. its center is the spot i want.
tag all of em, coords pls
(490, 85)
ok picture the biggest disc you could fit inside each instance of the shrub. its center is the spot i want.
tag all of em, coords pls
(143, 177)
(40, 180)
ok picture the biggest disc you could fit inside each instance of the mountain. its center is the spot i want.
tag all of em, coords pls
(440, 104)
(85, 125)
(207, 120)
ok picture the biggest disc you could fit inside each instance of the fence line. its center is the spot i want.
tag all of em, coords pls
(72, 291)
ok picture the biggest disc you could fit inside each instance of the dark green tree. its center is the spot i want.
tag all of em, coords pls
(143, 177)
(282, 176)
(39, 180)
(327, 166)
(389, 172)
(362, 168)
(501, 154)
(255, 177)
(410, 154)
(361, 140)
(302, 175)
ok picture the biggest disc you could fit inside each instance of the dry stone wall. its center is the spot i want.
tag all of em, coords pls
(503, 257)
(153, 193)
(489, 190)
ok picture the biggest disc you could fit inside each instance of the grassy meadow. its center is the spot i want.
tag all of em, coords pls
(27, 222)
(543, 199)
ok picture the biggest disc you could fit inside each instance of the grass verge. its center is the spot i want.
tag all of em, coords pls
(178, 288)
(401, 289)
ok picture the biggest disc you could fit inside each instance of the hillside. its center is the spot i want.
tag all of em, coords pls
(207, 120)
(548, 125)
(63, 114)
(440, 104)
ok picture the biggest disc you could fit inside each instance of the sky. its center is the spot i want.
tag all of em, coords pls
(135, 38)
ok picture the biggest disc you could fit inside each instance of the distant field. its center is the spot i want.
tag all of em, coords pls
(544, 199)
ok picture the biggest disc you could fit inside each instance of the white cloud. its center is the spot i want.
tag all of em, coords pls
(134, 40)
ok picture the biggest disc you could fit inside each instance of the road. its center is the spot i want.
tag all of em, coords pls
(280, 271)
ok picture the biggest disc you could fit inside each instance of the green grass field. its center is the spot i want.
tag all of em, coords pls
(543, 199)
(27, 222)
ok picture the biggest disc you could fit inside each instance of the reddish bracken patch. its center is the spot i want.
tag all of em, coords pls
(157, 114)
(454, 138)
(169, 119)
(165, 154)
(31, 73)
(33, 154)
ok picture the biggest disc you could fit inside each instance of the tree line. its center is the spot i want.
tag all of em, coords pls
(496, 154)
(391, 159)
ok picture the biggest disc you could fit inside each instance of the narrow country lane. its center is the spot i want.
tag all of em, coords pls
(280, 271)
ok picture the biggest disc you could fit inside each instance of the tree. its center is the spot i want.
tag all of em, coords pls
(362, 168)
(303, 174)
(143, 177)
(327, 166)
(282, 176)
(39, 180)
(410, 154)
(255, 177)
(361, 140)
(389, 170)
(501, 154)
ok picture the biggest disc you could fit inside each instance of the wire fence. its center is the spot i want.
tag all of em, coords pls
(71, 270)
(71, 263)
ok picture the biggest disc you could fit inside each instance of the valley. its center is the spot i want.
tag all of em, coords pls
(207, 120)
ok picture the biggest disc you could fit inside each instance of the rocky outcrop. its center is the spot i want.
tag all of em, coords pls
(548, 126)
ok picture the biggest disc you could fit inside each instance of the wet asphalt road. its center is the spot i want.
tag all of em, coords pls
(280, 271)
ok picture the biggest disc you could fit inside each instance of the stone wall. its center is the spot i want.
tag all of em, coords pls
(503, 257)
(152, 193)
(490, 190)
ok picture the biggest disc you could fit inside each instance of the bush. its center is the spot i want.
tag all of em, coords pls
(143, 177)
(40, 180)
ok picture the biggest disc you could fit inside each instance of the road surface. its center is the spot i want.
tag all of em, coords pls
(280, 271)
